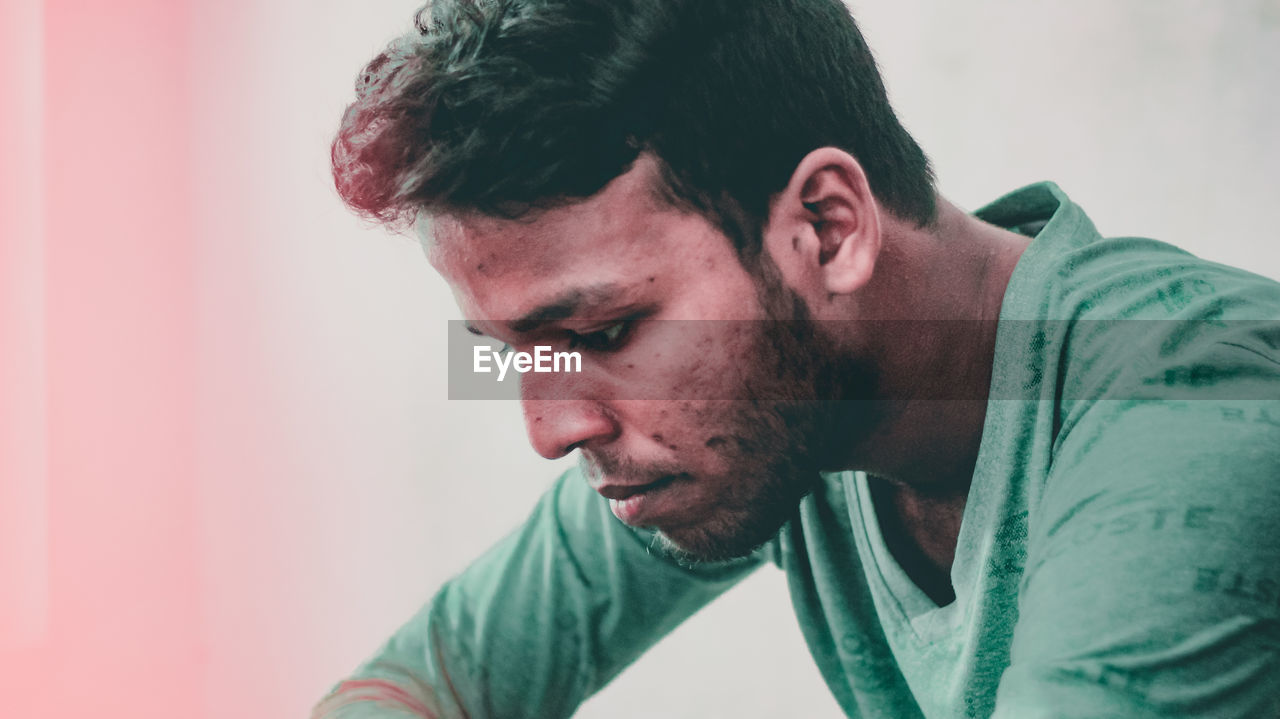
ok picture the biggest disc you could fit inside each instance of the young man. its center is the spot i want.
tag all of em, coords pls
(1009, 467)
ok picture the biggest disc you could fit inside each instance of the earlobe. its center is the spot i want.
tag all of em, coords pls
(851, 263)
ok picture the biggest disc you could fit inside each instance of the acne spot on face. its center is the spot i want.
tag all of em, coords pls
(652, 279)
(716, 442)
(658, 438)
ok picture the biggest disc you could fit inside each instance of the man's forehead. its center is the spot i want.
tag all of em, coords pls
(458, 246)
(442, 236)
(627, 200)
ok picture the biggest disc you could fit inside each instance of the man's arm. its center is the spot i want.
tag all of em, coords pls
(1152, 585)
(535, 625)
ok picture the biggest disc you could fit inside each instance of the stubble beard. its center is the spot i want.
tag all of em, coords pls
(793, 421)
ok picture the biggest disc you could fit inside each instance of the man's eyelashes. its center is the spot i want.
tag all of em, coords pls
(607, 339)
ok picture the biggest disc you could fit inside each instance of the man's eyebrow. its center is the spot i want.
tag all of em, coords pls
(566, 305)
(560, 307)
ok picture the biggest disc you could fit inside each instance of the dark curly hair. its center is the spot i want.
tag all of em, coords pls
(506, 106)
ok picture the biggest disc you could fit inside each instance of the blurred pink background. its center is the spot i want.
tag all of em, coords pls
(227, 466)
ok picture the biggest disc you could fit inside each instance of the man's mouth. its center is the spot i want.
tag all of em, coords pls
(640, 505)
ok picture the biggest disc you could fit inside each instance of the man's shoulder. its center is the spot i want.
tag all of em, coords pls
(1149, 322)
(1134, 317)
(1070, 270)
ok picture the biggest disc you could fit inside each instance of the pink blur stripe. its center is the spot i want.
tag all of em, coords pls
(24, 550)
(123, 635)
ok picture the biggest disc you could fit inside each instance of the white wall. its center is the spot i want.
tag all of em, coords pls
(338, 487)
(1159, 116)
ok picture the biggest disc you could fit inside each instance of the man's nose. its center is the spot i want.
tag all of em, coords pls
(556, 427)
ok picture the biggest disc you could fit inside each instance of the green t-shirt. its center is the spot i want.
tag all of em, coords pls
(1119, 553)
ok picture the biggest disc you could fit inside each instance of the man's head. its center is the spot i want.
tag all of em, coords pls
(675, 188)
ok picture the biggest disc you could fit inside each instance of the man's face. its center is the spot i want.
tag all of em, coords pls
(694, 411)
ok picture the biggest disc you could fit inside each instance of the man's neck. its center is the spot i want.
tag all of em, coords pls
(938, 292)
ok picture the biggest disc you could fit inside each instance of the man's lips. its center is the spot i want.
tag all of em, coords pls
(644, 504)
(616, 491)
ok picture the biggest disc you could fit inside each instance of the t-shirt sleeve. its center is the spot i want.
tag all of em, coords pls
(536, 624)
(1152, 582)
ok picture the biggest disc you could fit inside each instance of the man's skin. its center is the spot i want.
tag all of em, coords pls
(836, 249)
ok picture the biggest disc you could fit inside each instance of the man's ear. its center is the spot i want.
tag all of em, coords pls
(824, 227)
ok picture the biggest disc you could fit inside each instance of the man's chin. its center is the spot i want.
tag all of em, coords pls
(728, 535)
(697, 545)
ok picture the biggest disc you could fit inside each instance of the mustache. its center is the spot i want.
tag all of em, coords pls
(598, 466)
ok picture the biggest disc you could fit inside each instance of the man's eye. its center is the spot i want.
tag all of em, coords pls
(606, 340)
